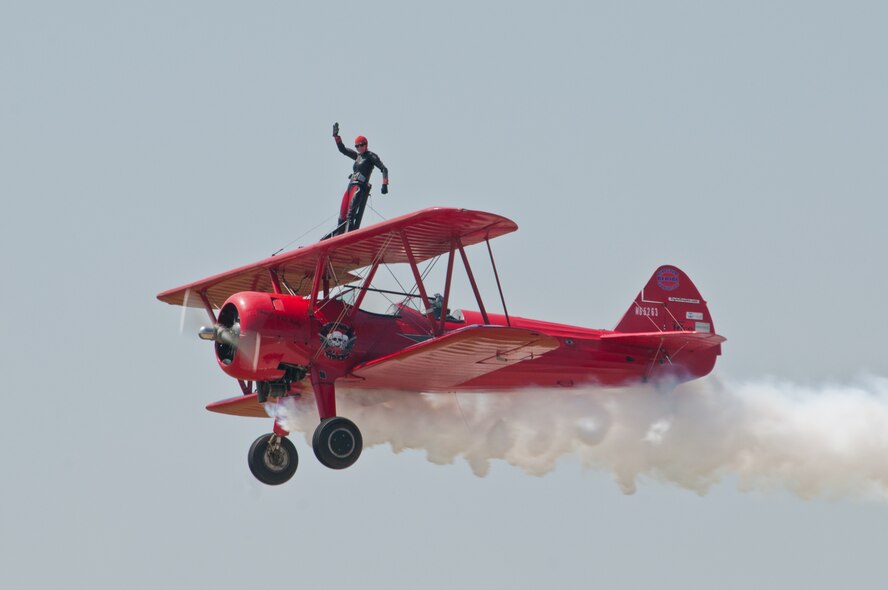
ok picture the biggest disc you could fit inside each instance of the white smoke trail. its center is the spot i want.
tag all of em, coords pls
(828, 441)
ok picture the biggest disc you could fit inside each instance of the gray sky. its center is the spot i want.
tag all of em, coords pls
(146, 145)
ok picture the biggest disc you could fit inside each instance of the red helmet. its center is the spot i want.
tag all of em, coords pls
(360, 139)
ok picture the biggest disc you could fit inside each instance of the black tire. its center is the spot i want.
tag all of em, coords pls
(337, 443)
(273, 466)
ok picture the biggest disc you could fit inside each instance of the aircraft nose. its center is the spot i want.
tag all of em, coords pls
(258, 335)
(220, 334)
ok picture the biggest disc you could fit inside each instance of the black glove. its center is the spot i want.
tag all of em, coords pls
(385, 189)
(335, 129)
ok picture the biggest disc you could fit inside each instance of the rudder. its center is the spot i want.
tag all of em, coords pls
(668, 302)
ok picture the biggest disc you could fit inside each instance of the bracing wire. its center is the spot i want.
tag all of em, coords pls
(299, 237)
(378, 214)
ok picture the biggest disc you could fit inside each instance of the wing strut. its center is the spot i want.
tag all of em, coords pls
(412, 260)
(468, 268)
(275, 283)
(446, 288)
(498, 285)
(206, 302)
(363, 291)
(320, 269)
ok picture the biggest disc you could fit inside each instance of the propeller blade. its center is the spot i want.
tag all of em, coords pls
(185, 301)
(193, 317)
(248, 346)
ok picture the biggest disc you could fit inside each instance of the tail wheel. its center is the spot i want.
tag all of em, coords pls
(273, 459)
(337, 443)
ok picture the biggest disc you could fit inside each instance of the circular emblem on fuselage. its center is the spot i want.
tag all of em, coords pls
(667, 279)
(337, 340)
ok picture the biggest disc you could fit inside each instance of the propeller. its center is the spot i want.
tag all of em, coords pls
(230, 339)
(225, 332)
(193, 315)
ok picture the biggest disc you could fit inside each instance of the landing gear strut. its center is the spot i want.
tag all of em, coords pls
(273, 459)
(337, 442)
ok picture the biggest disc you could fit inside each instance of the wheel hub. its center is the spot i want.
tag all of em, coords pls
(341, 443)
(275, 458)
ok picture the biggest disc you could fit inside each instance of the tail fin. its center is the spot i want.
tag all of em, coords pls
(668, 302)
(670, 321)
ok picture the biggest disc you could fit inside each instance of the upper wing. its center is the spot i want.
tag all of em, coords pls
(442, 364)
(429, 233)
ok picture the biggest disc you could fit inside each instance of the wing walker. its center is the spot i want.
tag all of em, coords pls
(293, 326)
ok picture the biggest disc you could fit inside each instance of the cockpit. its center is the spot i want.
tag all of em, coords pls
(383, 302)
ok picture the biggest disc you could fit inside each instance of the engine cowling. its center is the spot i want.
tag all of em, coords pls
(257, 332)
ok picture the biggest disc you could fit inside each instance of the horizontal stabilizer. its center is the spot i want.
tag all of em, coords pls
(671, 342)
(443, 364)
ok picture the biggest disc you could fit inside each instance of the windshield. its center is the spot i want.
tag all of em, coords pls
(377, 301)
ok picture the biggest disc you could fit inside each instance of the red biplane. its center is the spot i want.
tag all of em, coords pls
(293, 325)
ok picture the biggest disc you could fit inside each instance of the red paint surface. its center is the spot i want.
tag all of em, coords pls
(667, 331)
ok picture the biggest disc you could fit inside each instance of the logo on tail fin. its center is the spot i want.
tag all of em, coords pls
(667, 279)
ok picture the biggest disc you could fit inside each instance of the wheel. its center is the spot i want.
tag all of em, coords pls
(273, 463)
(337, 443)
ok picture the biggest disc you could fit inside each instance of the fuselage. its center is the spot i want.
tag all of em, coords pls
(277, 331)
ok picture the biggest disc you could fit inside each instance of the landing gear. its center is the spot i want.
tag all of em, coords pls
(337, 442)
(273, 459)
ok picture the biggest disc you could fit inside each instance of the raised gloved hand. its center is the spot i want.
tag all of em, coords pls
(335, 129)
(385, 189)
